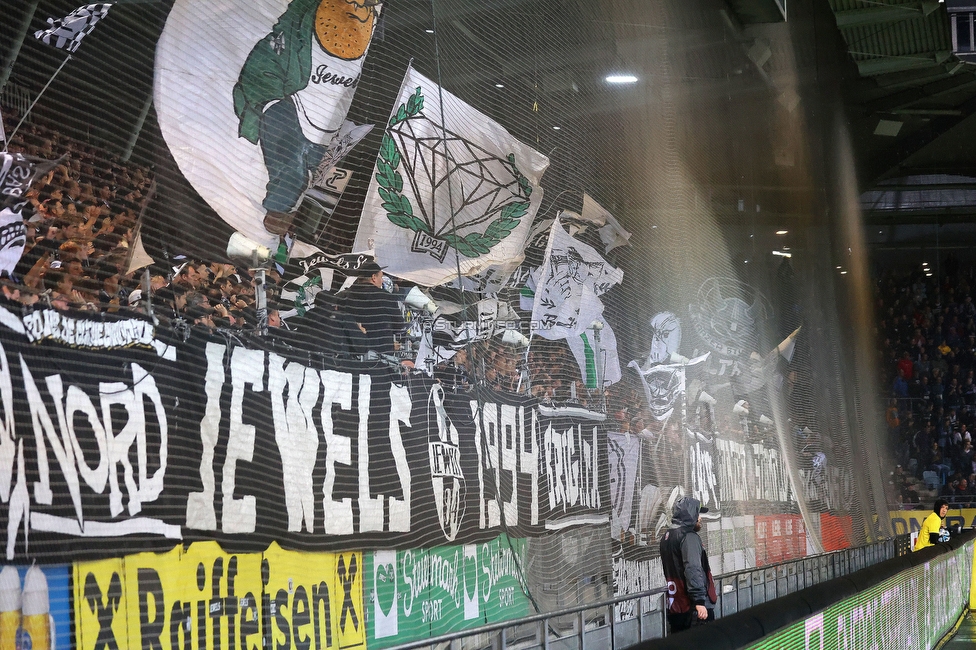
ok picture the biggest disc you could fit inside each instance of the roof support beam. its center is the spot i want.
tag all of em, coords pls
(886, 64)
(928, 91)
(884, 14)
(888, 161)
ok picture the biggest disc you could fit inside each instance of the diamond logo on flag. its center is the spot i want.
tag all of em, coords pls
(67, 33)
(484, 183)
(448, 193)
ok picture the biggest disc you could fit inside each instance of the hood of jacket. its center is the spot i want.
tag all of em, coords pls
(685, 513)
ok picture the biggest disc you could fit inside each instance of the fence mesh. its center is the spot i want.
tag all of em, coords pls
(622, 264)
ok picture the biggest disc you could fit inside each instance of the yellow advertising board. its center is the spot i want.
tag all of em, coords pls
(202, 598)
(910, 521)
(100, 604)
(316, 599)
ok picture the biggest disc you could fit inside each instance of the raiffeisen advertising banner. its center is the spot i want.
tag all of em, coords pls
(205, 598)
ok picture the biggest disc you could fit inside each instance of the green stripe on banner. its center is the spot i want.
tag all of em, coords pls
(590, 359)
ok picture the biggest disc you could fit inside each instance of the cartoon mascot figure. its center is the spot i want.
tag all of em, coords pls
(294, 91)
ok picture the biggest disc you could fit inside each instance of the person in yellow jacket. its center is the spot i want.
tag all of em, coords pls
(931, 530)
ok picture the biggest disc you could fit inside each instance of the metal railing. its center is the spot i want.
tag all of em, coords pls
(627, 620)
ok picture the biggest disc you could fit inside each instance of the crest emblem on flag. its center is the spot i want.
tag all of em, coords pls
(453, 193)
(483, 178)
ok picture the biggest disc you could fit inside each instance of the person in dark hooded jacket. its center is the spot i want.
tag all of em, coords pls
(691, 590)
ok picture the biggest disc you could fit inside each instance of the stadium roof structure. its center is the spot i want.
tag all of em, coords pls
(540, 69)
(913, 101)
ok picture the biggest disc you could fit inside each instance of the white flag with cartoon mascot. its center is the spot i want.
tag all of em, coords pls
(252, 97)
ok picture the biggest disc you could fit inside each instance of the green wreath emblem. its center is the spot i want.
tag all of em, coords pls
(399, 210)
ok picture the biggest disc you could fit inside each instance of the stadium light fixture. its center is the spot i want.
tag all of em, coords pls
(782, 232)
(499, 85)
(621, 79)
(782, 254)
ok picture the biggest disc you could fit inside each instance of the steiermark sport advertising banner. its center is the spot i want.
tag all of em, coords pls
(416, 594)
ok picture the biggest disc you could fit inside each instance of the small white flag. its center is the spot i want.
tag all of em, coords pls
(623, 455)
(788, 346)
(593, 358)
(664, 385)
(66, 33)
(612, 233)
(572, 279)
(138, 257)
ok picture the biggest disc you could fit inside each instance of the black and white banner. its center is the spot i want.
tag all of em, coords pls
(116, 433)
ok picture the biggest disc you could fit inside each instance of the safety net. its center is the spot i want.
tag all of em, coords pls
(353, 322)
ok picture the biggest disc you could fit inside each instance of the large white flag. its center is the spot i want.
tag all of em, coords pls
(452, 190)
(252, 97)
(572, 279)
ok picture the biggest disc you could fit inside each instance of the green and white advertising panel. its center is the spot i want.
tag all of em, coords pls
(912, 610)
(416, 594)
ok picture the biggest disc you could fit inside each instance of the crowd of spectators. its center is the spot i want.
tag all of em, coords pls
(81, 231)
(927, 335)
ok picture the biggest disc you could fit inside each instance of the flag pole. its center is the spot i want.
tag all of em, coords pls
(31, 107)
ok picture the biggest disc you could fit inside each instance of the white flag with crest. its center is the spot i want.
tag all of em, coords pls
(452, 190)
